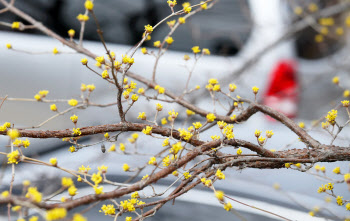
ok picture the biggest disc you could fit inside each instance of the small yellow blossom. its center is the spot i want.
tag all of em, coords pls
(171, 23)
(227, 206)
(13, 133)
(98, 190)
(196, 49)
(171, 3)
(72, 190)
(346, 93)
(72, 149)
(126, 167)
(157, 44)
(56, 214)
(152, 161)
(269, 133)
(210, 117)
(144, 50)
(15, 25)
(73, 102)
(340, 201)
(148, 29)
(13, 157)
(71, 33)
(239, 151)
(169, 40)
(55, 51)
(89, 5)
(134, 97)
(78, 217)
(336, 170)
(182, 20)
(345, 103)
(255, 89)
(219, 195)
(220, 175)
(53, 161)
(142, 116)
(335, 80)
(187, 175)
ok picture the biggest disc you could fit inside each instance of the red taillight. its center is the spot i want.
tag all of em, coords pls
(282, 92)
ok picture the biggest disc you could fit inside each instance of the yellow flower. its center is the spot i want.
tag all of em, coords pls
(219, 195)
(56, 214)
(196, 49)
(53, 107)
(34, 194)
(169, 40)
(91, 87)
(108, 209)
(187, 7)
(336, 170)
(232, 87)
(89, 5)
(5, 194)
(71, 149)
(156, 44)
(239, 151)
(165, 142)
(102, 169)
(227, 206)
(345, 103)
(98, 190)
(340, 201)
(73, 102)
(148, 29)
(269, 133)
(96, 178)
(126, 167)
(164, 121)
(13, 157)
(72, 190)
(16, 25)
(142, 116)
(171, 23)
(171, 3)
(287, 165)
(55, 51)
(335, 80)
(8, 46)
(206, 51)
(187, 175)
(84, 169)
(53, 161)
(182, 20)
(26, 183)
(144, 50)
(74, 118)
(134, 97)
(76, 131)
(78, 217)
(67, 182)
(36, 218)
(261, 140)
(210, 117)
(220, 175)
(13, 133)
(147, 130)
(255, 89)
(346, 93)
(331, 116)
(71, 33)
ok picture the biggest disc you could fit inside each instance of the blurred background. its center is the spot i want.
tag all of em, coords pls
(291, 50)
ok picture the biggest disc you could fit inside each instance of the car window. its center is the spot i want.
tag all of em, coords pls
(223, 29)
